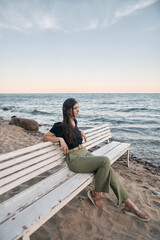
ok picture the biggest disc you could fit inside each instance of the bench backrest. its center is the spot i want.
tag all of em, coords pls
(22, 165)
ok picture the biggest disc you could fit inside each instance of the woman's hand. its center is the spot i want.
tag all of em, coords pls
(52, 138)
(83, 136)
(64, 146)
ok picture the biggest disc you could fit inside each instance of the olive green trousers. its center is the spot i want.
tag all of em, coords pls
(82, 161)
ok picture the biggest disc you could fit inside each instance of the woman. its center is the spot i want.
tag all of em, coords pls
(82, 161)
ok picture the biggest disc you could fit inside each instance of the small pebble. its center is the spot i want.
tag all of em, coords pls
(156, 193)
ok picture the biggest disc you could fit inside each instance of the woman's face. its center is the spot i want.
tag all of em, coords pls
(75, 110)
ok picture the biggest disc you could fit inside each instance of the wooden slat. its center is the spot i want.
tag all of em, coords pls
(94, 137)
(97, 131)
(93, 144)
(14, 161)
(30, 169)
(94, 141)
(114, 154)
(29, 176)
(104, 132)
(106, 148)
(39, 211)
(53, 211)
(24, 150)
(35, 161)
(113, 150)
(33, 193)
(95, 128)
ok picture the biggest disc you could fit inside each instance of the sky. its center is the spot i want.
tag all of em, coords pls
(79, 46)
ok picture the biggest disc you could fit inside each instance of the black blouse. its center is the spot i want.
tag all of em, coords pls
(58, 132)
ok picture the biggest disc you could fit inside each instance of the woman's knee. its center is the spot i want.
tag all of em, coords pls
(106, 161)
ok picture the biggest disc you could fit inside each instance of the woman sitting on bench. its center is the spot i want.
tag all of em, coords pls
(80, 160)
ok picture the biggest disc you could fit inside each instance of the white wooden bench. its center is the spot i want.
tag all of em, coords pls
(23, 213)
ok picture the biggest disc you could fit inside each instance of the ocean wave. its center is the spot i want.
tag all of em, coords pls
(108, 103)
(147, 122)
(101, 119)
(127, 110)
(129, 130)
(37, 112)
(8, 107)
(132, 109)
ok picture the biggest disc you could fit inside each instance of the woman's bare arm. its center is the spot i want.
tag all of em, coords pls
(83, 135)
(52, 138)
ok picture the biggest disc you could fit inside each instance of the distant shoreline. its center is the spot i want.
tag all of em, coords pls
(85, 93)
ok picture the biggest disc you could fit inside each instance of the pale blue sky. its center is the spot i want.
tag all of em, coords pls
(79, 46)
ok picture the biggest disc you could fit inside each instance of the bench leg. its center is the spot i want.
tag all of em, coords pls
(128, 157)
(26, 237)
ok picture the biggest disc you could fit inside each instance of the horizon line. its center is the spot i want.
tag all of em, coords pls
(82, 93)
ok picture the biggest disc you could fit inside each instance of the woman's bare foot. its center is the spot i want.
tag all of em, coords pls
(131, 209)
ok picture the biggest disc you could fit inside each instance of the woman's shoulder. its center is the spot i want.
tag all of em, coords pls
(56, 127)
(58, 124)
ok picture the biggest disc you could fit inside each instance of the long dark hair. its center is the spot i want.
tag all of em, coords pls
(69, 131)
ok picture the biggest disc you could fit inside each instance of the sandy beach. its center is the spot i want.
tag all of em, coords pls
(79, 219)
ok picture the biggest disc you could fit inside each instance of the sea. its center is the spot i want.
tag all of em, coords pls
(133, 118)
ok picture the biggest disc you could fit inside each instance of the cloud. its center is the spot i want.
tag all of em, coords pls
(129, 9)
(26, 16)
(152, 28)
(46, 22)
(9, 26)
(70, 15)
(93, 24)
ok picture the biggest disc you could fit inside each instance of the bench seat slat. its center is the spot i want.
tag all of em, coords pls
(32, 194)
(119, 151)
(106, 129)
(29, 176)
(95, 128)
(35, 212)
(106, 148)
(116, 152)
